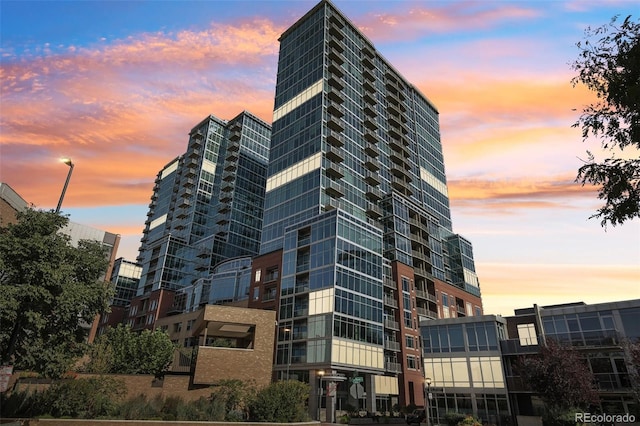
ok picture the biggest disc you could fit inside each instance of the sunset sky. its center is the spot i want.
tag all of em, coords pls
(117, 85)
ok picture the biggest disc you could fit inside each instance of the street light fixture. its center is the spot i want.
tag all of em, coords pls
(289, 348)
(320, 392)
(69, 163)
(427, 398)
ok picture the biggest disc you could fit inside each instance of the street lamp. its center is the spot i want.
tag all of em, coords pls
(69, 163)
(320, 392)
(427, 405)
(289, 348)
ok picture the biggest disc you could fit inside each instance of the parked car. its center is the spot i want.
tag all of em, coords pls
(416, 417)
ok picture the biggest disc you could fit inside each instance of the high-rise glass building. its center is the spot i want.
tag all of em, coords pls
(206, 204)
(357, 242)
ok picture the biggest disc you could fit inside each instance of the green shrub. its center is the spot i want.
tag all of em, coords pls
(82, 398)
(139, 408)
(21, 404)
(453, 419)
(281, 402)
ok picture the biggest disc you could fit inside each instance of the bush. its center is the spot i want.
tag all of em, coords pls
(140, 408)
(82, 398)
(20, 404)
(453, 419)
(281, 402)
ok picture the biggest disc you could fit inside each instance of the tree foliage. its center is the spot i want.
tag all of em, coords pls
(560, 377)
(281, 402)
(47, 289)
(122, 351)
(609, 65)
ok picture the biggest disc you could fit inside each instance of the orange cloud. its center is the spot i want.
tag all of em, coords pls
(122, 111)
(505, 285)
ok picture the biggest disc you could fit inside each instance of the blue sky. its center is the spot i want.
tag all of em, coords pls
(117, 86)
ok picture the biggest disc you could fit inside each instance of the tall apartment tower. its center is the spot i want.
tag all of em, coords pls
(207, 204)
(357, 242)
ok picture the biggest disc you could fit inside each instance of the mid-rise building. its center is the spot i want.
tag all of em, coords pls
(206, 204)
(357, 242)
(463, 368)
(603, 334)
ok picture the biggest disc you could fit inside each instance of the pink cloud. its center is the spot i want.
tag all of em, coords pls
(425, 19)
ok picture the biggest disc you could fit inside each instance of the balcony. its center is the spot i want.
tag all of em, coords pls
(334, 189)
(228, 176)
(369, 97)
(235, 135)
(227, 187)
(368, 62)
(372, 150)
(368, 86)
(373, 194)
(336, 109)
(336, 56)
(335, 170)
(335, 83)
(370, 136)
(372, 164)
(335, 69)
(391, 324)
(336, 20)
(370, 124)
(400, 184)
(335, 95)
(397, 158)
(334, 124)
(392, 367)
(388, 282)
(392, 345)
(334, 154)
(230, 167)
(226, 197)
(390, 301)
(370, 110)
(368, 75)
(233, 147)
(423, 312)
(374, 211)
(335, 44)
(232, 156)
(335, 139)
(336, 32)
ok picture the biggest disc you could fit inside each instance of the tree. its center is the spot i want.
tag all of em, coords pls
(609, 65)
(122, 351)
(47, 289)
(560, 377)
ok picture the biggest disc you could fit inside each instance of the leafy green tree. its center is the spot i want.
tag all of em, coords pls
(560, 377)
(47, 289)
(121, 350)
(609, 65)
(281, 402)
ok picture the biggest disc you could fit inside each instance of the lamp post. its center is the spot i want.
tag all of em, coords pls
(69, 163)
(427, 399)
(289, 348)
(320, 392)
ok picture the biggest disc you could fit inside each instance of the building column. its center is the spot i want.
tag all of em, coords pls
(370, 386)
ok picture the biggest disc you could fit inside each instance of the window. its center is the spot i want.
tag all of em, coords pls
(177, 327)
(411, 362)
(269, 294)
(410, 342)
(258, 275)
(190, 324)
(527, 334)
